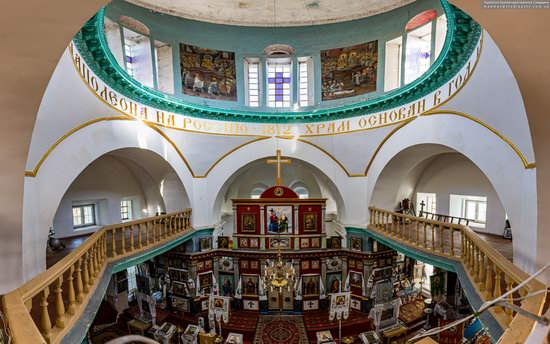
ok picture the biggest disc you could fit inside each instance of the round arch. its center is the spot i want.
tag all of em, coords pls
(44, 192)
(514, 185)
(324, 169)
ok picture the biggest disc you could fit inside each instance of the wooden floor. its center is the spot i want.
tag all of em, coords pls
(504, 246)
(71, 244)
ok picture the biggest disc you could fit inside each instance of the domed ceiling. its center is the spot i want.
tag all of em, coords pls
(271, 12)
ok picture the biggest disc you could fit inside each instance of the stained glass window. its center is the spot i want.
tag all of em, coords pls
(278, 83)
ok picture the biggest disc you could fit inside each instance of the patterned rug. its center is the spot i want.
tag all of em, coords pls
(280, 329)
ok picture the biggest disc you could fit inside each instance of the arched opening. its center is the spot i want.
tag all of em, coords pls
(301, 176)
(122, 185)
(442, 183)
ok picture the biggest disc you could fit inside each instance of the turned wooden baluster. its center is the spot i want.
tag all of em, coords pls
(147, 233)
(90, 267)
(45, 323)
(472, 257)
(482, 271)
(96, 261)
(123, 240)
(498, 290)
(85, 275)
(79, 286)
(489, 281)
(59, 306)
(441, 249)
(154, 229)
(424, 224)
(417, 232)
(452, 231)
(113, 241)
(372, 217)
(509, 286)
(432, 228)
(476, 264)
(70, 292)
(131, 228)
(139, 230)
(462, 246)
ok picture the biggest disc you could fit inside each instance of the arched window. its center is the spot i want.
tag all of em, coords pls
(410, 55)
(256, 192)
(301, 191)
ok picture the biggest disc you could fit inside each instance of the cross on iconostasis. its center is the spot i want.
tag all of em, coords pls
(278, 161)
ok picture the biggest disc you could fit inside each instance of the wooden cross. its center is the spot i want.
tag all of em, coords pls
(278, 161)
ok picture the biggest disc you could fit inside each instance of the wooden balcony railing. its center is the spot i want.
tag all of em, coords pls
(46, 308)
(490, 273)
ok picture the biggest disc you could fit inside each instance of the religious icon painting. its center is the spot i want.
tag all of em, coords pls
(250, 285)
(356, 244)
(336, 242)
(200, 265)
(315, 242)
(208, 264)
(223, 242)
(339, 305)
(356, 279)
(324, 337)
(254, 264)
(178, 288)
(333, 282)
(310, 285)
(275, 242)
(248, 223)
(305, 264)
(226, 264)
(315, 264)
(304, 243)
(218, 308)
(359, 264)
(205, 244)
(205, 279)
(227, 285)
(310, 222)
(254, 243)
(243, 242)
(351, 263)
(279, 219)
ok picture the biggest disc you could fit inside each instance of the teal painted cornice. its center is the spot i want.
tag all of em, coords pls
(463, 34)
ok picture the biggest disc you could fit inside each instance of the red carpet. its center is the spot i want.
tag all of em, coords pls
(285, 329)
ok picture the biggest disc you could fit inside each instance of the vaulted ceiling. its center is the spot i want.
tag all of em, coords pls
(271, 12)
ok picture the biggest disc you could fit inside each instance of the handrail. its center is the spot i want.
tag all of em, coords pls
(490, 272)
(75, 277)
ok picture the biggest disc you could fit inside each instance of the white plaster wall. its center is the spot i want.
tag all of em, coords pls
(106, 180)
(453, 173)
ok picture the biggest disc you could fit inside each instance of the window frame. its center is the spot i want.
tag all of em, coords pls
(83, 216)
(128, 211)
(282, 60)
(247, 62)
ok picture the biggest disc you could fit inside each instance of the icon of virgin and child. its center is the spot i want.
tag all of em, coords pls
(277, 224)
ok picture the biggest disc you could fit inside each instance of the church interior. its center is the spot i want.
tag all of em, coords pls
(275, 172)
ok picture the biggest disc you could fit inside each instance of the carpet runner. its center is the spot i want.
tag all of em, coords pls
(280, 329)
